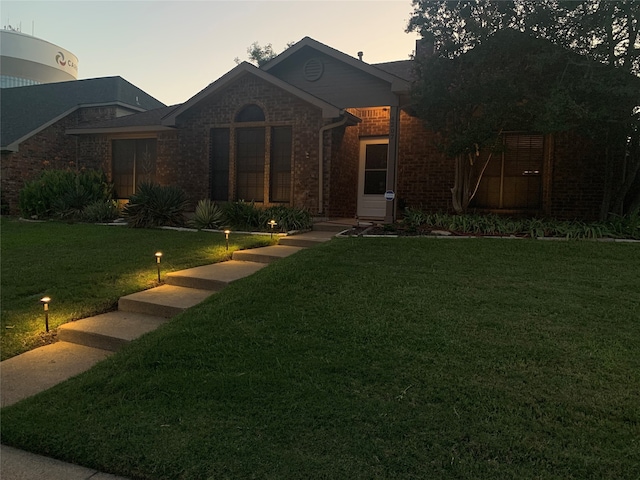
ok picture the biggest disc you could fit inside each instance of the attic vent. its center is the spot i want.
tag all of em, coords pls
(312, 70)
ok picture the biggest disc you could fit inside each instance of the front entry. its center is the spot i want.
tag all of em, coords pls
(372, 178)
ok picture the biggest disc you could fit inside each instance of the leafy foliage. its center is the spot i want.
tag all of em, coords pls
(207, 215)
(628, 226)
(247, 216)
(63, 193)
(101, 211)
(154, 206)
(552, 66)
(259, 55)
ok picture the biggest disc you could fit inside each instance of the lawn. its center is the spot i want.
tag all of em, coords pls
(85, 269)
(374, 358)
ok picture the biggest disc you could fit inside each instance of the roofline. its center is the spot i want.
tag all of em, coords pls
(398, 85)
(15, 145)
(328, 110)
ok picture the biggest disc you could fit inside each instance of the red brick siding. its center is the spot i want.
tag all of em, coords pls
(280, 108)
(344, 172)
(49, 149)
(577, 179)
(425, 175)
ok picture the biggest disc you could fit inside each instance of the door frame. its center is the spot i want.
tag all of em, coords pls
(368, 206)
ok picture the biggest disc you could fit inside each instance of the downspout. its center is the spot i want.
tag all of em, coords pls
(321, 160)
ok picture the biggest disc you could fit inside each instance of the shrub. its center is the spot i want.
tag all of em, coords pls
(246, 216)
(289, 218)
(154, 206)
(63, 193)
(207, 215)
(627, 226)
(491, 224)
(243, 215)
(101, 211)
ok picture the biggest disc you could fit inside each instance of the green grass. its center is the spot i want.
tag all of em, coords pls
(374, 358)
(85, 269)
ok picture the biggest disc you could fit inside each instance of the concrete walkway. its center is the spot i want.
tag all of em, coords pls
(84, 343)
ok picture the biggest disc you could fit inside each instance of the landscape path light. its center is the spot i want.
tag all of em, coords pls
(45, 302)
(158, 257)
(273, 224)
(226, 237)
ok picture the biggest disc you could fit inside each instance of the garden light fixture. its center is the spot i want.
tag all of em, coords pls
(226, 237)
(273, 224)
(158, 257)
(45, 302)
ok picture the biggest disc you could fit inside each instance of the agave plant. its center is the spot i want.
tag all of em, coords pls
(155, 206)
(207, 215)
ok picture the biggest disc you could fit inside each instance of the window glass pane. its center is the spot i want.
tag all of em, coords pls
(133, 162)
(375, 182)
(280, 188)
(250, 113)
(512, 179)
(122, 166)
(219, 164)
(250, 150)
(145, 161)
(376, 156)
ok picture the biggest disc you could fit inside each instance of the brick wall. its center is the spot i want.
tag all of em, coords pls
(425, 175)
(344, 172)
(49, 149)
(577, 179)
(280, 109)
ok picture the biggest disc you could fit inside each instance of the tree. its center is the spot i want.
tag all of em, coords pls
(571, 67)
(260, 55)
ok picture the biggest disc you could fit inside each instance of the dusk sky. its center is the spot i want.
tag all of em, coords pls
(174, 49)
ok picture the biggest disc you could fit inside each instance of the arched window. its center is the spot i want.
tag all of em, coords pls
(250, 113)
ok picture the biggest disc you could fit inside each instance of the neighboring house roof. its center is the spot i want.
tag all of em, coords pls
(149, 121)
(26, 111)
(398, 84)
(245, 68)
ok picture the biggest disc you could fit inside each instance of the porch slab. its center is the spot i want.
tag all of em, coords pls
(213, 277)
(164, 301)
(265, 254)
(109, 331)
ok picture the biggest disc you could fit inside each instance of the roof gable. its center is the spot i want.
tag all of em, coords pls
(398, 85)
(28, 110)
(245, 68)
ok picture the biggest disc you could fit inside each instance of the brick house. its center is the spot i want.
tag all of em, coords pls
(35, 120)
(319, 129)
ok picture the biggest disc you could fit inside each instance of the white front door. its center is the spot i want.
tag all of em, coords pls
(372, 178)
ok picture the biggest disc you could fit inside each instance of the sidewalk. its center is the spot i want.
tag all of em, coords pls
(84, 343)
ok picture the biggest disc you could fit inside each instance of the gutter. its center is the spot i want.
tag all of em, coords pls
(323, 129)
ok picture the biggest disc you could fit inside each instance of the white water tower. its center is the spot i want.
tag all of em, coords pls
(28, 60)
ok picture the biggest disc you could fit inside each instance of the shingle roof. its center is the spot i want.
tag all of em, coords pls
(150, 118)
(402, 68)
(26, 110)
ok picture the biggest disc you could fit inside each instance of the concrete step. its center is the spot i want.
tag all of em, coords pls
(109, 331)
(308, 239)
(265, 254)
(40, 369)
(164, 301)
(213, 277)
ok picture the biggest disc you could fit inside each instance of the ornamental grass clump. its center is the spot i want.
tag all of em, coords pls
(156, 206)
